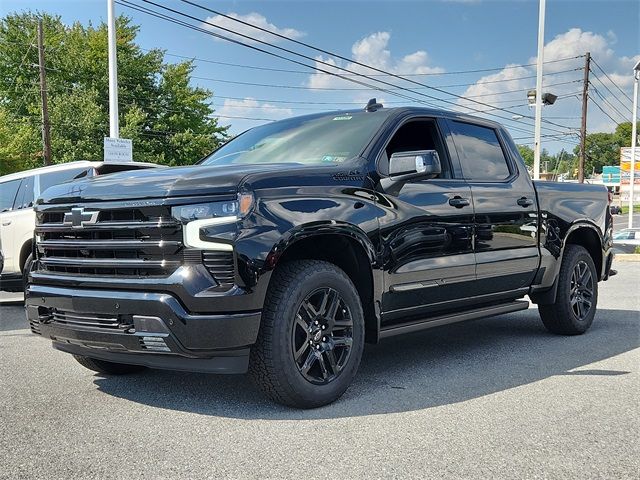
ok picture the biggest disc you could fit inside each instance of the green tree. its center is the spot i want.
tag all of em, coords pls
(623, 134)
(526, 153)
(604, 148)
(169, 120)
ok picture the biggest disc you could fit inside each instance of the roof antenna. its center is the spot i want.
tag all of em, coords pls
(372, 105)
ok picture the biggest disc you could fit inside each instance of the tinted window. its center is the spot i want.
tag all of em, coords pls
(8, 192)
(56, 178)
(24, 198)
(316, 140)
(480, 152)
(413, 136)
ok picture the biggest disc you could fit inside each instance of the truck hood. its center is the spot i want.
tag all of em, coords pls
(155, 183)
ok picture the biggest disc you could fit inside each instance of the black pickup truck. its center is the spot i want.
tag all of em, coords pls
(289, 247)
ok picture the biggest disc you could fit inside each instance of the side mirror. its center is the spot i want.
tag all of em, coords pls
(405, 166)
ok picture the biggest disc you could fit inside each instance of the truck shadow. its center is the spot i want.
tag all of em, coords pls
(438, 367)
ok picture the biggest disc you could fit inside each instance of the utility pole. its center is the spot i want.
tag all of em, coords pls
(46, 137)
(583, 127)
(114, 128)
(538, 119)
(634, 141)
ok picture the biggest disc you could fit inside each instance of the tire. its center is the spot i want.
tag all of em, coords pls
(107, 368)
(25, 273)
(303, 297)
(575, 305)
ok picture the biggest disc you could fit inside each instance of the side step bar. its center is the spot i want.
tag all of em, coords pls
(458, 317)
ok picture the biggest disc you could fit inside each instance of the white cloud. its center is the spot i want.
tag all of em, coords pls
(250, 108)
(371, 50)
(571, 43)
(240, 29)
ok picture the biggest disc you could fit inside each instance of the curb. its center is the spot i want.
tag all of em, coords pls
(627, 257)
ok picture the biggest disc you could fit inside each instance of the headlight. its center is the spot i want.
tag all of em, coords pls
(202, 215)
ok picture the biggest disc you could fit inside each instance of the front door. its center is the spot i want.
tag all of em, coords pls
(426, 232)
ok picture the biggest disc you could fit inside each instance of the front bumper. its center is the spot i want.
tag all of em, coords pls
(141, 328)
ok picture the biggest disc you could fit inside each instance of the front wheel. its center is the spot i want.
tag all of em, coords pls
(577, 295)
(311, 335)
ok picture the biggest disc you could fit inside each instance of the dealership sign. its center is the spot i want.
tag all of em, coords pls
(118, 149)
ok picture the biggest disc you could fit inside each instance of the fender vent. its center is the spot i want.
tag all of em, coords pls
(221, 266)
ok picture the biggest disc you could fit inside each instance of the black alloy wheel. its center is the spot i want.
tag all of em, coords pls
(322, 336)
(311, 335)
(581, 290)
(574, 308)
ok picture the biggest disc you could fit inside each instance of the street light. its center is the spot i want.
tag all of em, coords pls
(539, 65)
(636, 78)
(547, 98)
(114, 128)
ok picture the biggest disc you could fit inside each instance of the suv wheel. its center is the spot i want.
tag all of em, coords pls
(26, 269)
(108, 368)
(577, 296)
(311, 335)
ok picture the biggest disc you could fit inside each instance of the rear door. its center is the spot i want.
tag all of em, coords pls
(426, 231)
(506, 213)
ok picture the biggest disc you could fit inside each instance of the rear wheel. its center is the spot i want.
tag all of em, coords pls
(108, 368)
(577, 295)
(311, 335)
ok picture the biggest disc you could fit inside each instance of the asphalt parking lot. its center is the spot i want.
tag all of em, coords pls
(495, 398)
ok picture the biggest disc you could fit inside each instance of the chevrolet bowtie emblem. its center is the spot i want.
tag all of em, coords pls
(78, 218)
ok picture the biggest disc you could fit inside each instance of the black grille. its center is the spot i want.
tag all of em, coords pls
(88, 320)
(221, 266)
(140, 242)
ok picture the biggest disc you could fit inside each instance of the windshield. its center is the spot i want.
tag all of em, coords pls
(317, 140)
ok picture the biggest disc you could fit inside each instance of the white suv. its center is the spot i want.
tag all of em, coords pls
(18, 192)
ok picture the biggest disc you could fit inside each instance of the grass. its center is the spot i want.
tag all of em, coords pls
(625, 208)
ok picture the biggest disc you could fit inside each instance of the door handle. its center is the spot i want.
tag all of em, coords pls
(525, 202)
(458, 201)
(6, 223)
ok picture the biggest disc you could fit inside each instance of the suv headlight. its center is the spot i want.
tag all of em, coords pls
(204, 215)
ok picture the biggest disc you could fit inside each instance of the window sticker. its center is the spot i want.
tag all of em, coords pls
(334, 158)
(343, 117)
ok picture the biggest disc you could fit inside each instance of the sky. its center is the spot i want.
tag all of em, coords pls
(477, 52)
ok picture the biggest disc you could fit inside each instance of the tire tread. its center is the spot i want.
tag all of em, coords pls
(263, 365)
(558, 317)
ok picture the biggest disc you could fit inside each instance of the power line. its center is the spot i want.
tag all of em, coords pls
(610, 92)
(302, 72)
(267, 52)
(602, 97)
(322, 51)
(306, 57)
(302, 87)
(614, 83)
(603, 111)
(15, 78)
(332, 66)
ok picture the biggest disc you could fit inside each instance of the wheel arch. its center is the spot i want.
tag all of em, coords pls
(25, 250)
(586, 235)
(349, 249)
